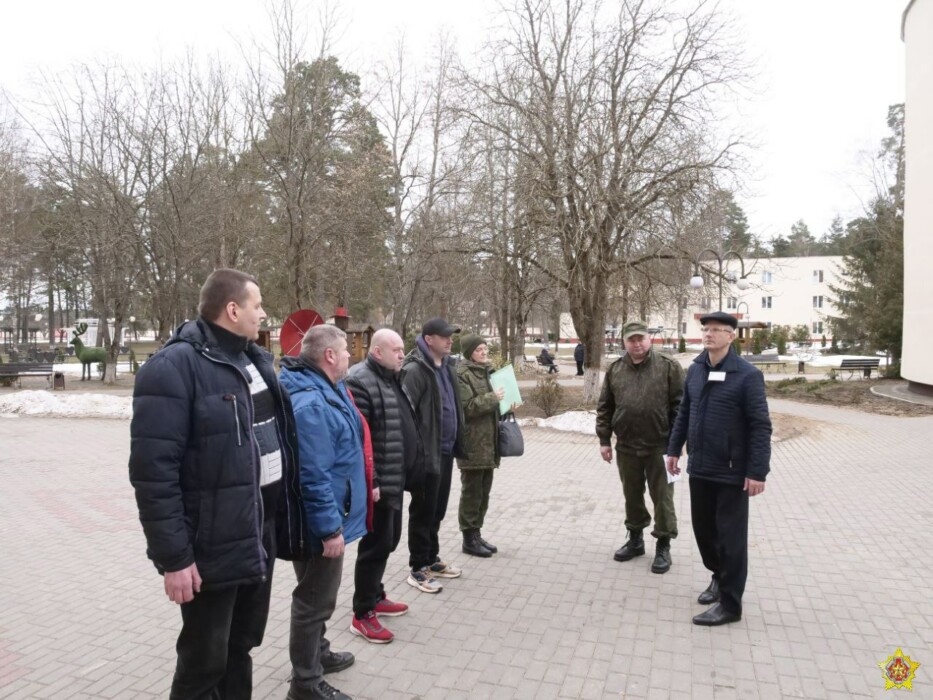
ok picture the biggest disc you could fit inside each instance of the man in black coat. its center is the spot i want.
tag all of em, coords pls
(724, 421)
(379, 395)
(579, 355)
(212, 454)
(430, 379)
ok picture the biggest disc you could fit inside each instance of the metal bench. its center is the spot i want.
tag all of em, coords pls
(18, 370)
(765, 361)
(864, 364)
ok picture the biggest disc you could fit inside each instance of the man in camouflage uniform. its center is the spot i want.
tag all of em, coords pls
(639, 401)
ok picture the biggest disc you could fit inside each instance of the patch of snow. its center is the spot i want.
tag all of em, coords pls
(570, 422)
(45, 403)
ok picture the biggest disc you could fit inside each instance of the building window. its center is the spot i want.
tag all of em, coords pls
(818, 328)
(766, 302)
(817, 276)
(683, 328)
(732, 302)
(769, 326)
(767, 277)
(818, 302)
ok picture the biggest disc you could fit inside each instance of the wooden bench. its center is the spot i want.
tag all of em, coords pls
(864, 364)
(18, 370)
(765, 361)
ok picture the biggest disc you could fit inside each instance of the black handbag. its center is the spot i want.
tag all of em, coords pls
(511, 442)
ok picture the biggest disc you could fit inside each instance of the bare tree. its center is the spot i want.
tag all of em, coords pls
(608, 105)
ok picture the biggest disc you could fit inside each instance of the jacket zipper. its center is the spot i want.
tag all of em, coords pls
(236, 416)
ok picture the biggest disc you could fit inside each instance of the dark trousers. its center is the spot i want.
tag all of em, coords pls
(635, 471)
(372, 554)
(219, 628)
(426, 513)
(579, 368)
(474, 497)
(720, 525)
(313, 603)
(552, 368)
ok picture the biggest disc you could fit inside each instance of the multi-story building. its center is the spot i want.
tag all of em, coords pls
(917, 32)
(780, 292)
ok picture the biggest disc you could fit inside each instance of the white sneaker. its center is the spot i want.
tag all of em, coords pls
(424, 581)
(442, 569)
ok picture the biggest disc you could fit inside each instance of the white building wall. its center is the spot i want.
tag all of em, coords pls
(916, 364)
(783, 292)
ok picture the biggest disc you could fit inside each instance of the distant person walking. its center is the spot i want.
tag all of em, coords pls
(639, 402)
(579, 355)
(725, 423)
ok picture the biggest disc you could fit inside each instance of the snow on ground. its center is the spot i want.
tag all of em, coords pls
(570, 422)
(45, 403)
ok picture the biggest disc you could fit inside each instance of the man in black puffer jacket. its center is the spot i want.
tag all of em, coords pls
(724, 420)
(212, 454)
(382, 400)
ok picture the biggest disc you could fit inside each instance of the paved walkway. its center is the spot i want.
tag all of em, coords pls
(839, 578)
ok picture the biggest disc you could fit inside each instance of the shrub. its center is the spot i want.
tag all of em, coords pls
(547, 395)
(823, 342)
(892, 371)
(134, 365)
(682, 345)
(756, 344)
(737, 346)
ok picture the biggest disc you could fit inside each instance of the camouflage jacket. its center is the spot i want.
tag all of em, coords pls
(639, 403)
(480, 440)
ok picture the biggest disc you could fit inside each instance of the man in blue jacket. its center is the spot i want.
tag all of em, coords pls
(724, 420)
(334, 494)
(212, 449)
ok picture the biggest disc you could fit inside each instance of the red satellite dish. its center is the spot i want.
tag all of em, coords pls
(294, 329)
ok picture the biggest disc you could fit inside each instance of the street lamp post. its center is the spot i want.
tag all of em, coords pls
(748, 318)
(697, 280)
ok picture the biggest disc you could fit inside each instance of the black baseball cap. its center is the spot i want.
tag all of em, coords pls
(438, 326)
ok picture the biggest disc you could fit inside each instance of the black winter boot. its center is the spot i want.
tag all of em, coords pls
(472, 545)
(662, 556)
(635, 547)
(491, 547)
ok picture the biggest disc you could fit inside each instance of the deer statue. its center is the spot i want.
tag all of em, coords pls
(88, 356)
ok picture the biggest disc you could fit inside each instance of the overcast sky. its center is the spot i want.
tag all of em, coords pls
(826, 72)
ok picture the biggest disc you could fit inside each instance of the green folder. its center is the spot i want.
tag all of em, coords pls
(505, 378)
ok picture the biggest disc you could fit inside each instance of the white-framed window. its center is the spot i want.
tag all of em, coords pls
(732, 302)
(818, 328)
(817, 276)
(766, 302)
(767, 277)
(818, 302)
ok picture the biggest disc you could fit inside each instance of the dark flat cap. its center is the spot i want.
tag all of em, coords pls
(438, 326)
(720, 317)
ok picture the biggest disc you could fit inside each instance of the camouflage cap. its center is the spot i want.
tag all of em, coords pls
(634, 328)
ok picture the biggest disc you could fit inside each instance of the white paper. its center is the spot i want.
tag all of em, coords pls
(717, 377)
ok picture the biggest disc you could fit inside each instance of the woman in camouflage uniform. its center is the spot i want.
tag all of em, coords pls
(480, 442)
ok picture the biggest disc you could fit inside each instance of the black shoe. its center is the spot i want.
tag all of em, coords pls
(662, 556)
(635, 547)
(325, 691)
(716, 616)
(711, 594)
(472, 545)
(334, 661)
(491, 547)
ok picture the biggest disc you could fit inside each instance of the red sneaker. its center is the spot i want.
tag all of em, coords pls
(370, 629)
(387, 608)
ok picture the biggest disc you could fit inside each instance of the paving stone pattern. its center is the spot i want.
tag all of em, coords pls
(839, 578)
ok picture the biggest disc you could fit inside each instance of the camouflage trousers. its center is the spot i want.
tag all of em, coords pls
(636, 472)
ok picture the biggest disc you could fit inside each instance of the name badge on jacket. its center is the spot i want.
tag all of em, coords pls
(717, 377)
